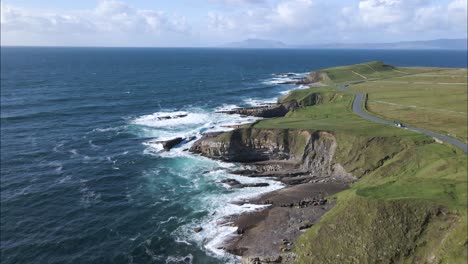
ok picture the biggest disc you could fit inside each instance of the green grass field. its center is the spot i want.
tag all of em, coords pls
(431, 98)
(410, 202)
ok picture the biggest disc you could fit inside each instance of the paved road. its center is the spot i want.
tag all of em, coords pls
(357, 108)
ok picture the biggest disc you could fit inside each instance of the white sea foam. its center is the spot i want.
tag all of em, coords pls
(180, 259)
(168, 220)
(258, 102)
(220, 205)
(226, 107)
(297, 87)
(184, 124)
(171, 119)
(182, 241)
(281, 79)
(278, 80)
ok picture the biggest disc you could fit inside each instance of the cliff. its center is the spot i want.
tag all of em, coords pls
(406, 204)
(284, 153)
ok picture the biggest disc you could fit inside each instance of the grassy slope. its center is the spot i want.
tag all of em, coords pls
(410, 202)
(430, 98)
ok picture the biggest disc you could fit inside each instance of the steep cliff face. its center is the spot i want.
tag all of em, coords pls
(253, 145)
(280, 151)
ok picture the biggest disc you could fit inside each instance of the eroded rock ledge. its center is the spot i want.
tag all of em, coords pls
(300, 158)
(292, 156)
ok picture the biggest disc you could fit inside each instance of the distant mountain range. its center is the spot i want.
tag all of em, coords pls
(451, 44)
(257, 44)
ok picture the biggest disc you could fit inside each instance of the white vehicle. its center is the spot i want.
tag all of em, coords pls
(398, 124)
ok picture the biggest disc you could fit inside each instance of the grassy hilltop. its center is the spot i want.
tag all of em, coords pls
(409, 207)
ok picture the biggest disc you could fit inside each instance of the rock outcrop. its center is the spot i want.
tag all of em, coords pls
(266, 111)
(169, 144)
(233, 183)
(313, 77)
(294, 156)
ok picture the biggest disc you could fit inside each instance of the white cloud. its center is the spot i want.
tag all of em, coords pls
(113, 22)
(409, 19)
(239, 2)
(458, 10)
(284, 17)
(109, 17)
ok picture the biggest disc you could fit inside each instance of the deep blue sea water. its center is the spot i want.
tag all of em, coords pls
(82, 180)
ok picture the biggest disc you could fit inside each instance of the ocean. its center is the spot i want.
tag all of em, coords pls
(82, 179)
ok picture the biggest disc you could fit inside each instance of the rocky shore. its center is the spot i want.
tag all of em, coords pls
(268, 236)
(301, 159)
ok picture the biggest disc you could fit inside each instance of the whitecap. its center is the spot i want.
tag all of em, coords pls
(226, 107)
(162, 126)
(168, 220)
(107, 129)
(281, 79)
(94, 146)
(64, 179)
(74, 152)
(182, 241)
(180, 259)
(171, 119)
(220, 207)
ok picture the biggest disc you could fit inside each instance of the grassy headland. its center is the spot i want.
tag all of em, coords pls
(410, 202)
(429, 98)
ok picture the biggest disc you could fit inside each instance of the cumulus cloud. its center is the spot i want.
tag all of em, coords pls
(311, 21)
(114, 22)
(284, 17)
(109, 17)
(409, 16)
(239, 2)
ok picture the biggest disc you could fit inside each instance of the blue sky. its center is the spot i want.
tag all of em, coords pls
(214, 22)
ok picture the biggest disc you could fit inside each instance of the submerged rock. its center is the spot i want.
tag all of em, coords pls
(171, 117)
(169, 144)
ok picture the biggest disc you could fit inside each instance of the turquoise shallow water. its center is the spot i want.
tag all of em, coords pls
(81, 180)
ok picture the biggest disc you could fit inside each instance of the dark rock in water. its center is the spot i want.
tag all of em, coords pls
(244, 172)
(285, 74)
(271, 110)
(230, 181)
(190, 138)
(236, 184)
(197, 229)
(171, 117)
(260, 184)
(169, 144)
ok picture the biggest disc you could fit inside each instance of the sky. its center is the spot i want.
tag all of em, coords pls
(201, 23)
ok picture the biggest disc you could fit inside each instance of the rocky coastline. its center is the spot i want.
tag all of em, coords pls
(302, 160)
